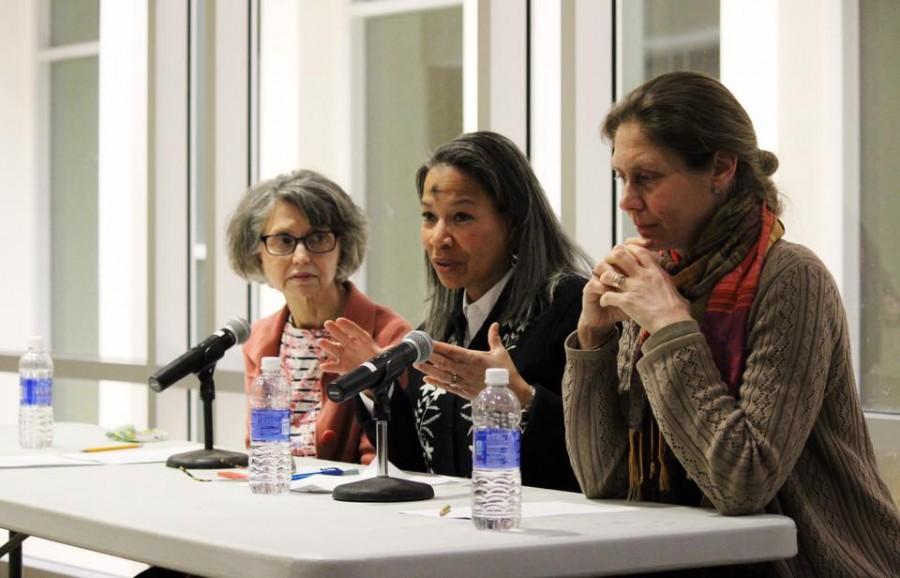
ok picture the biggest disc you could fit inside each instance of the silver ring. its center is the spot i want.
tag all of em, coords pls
(453, 378)
(619, 281)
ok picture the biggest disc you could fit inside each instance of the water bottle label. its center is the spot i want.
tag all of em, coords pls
(270, 425)
(496, 448)
(36, 390)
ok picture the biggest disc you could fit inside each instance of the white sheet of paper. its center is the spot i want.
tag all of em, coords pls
(144, 455)
(327, 484)
(38, 460)
(529, 510)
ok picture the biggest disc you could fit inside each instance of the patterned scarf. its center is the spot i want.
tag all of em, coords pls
(720, 279)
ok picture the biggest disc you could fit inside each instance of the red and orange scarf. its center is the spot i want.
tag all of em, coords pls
(721, 281)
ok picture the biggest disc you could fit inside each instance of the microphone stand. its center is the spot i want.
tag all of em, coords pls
(382, 488)
(208, 458)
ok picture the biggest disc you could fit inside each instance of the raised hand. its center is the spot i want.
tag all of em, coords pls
(349, 347)
(461, 371)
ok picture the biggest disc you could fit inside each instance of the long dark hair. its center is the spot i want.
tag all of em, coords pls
(539, 250)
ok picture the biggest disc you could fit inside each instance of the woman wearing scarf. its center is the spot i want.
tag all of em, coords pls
(711, 365)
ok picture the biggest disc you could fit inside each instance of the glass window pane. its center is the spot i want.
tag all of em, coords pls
(74, 207)
(413, 103)
(204, 168)
(97, 210)
(658, 36)
(73, 21)
(106, 403)
(879, 206)
(889, 468)
(681, 36)
(76, 400)
(368, 128)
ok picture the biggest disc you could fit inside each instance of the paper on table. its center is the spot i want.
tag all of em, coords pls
(38, 460)
(530, 510)
(327, 484)
(142, 455)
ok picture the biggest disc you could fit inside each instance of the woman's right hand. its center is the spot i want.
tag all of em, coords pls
(596, 321)
(349, 347)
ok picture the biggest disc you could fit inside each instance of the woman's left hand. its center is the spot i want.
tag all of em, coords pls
(461, 371)
(646, 294)
(349, 347)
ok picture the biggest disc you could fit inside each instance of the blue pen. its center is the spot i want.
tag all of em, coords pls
(324, 472)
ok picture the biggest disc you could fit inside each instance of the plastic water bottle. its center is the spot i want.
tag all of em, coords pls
(270, 428)
(35, 396)
(496, 481)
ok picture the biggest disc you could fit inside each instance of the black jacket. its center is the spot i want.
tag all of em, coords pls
(430, 429)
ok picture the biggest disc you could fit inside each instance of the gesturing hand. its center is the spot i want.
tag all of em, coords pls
(350, 346)
(461, 371)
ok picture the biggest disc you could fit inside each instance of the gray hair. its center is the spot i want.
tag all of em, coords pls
(325, 205)
(539, 249)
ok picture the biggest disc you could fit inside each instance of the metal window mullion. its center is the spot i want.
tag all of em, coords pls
(92, 370)
(192, 196)
(253, 129)
(68, 52)
(377, 8)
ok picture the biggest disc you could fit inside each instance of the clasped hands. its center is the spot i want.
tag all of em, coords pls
(452, 368)
(628, 283)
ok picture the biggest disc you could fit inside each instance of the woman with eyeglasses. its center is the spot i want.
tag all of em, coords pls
(304, 236)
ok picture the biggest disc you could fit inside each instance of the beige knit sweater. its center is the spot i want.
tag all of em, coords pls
(794, 443)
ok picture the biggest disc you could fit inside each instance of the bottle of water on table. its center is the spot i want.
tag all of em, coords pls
(35, 396)
(496, 481)
(270, 428)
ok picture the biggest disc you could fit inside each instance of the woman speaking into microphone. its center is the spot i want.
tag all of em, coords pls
(504, 290)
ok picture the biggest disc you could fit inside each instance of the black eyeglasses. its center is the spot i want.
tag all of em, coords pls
(282, 244)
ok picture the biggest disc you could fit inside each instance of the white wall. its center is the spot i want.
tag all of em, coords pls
(800, 85)
(811, 140)
(549, 105)
(279, 93)
(18, 204)
(752, 75)
(302, 123)
(122, 168)
(302, 91)
(789, 64)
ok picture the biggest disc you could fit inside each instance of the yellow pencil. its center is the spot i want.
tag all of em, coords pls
(111, 448)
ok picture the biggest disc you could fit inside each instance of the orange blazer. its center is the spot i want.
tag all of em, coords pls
(338, 434)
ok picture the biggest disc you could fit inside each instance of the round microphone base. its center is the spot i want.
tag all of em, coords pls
(207, 460)
(383, 489)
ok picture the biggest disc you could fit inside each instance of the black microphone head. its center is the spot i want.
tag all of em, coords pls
(422, 342)
(155, 384)
(201, 355)
(238, 327)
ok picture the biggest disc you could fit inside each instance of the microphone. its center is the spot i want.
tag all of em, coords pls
(201, 355)
(415, 347)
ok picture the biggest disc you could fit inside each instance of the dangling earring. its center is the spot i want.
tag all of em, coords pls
(514, 259)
